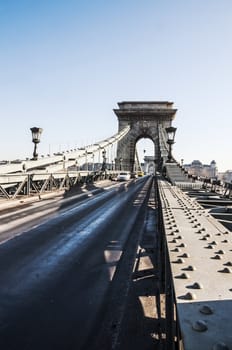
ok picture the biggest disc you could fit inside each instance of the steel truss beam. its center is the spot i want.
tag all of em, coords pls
(13, 186)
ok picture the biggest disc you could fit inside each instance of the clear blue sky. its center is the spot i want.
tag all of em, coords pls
(66, 63)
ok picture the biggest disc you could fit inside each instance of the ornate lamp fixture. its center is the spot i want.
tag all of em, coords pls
(36, 133)
(171, 131)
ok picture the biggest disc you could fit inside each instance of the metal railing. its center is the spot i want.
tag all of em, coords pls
(17, 185)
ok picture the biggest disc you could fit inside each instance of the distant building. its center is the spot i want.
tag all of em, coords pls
(202, 170)
(226, 176)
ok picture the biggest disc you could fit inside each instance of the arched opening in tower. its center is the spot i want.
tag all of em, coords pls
(145, 151)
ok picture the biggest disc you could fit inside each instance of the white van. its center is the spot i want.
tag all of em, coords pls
(123, 176)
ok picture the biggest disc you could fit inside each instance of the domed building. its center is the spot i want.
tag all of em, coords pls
(210, 170)
(202, 170)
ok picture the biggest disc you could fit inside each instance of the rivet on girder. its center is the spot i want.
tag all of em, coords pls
(200, 326)
(213, 243)
(206, 310)
(229, 263)
(220, 346)
(188, 296)
(185, 255)
(179, 261)
(198, 231)
(190, 268)
(220, 252)
(209, 247)
(183, 276)
(179, 237)
(226, 270)
(174, 241)
(177, 250)
(225, 241)
(183, 245)
(196, 285)
(217, 257)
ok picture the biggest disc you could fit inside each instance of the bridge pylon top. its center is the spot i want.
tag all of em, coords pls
(145, 104)
(150, 110)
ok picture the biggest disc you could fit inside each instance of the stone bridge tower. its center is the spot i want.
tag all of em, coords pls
(146, 120)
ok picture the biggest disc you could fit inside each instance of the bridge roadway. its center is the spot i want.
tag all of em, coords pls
(129, 265)
(66, 276)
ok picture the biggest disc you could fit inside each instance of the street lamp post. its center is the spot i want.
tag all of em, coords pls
(86, 160)
(36, 133)
(78, 163)
(115, 163)
(103, 160)
(171, 131)
(120, 164)
(93, 162)
(64, 159)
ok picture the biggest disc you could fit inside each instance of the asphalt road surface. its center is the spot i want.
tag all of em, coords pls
(66, 274)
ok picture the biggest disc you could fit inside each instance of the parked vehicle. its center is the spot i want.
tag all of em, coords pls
(140, 173)
(123, 176)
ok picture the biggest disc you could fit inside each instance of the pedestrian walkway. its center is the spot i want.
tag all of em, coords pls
(7, 204)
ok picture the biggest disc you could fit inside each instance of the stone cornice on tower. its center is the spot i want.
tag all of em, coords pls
(149, 109)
